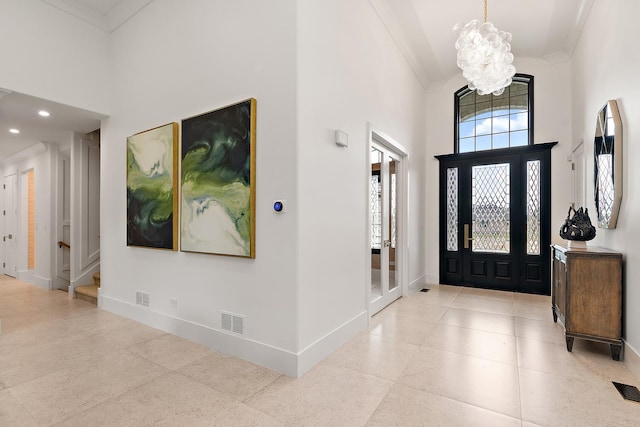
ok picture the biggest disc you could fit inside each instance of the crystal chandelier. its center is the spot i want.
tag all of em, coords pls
(484, 55)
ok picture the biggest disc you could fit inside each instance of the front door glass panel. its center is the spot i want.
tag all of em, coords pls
(452, 209)
(491, 208)
(533, 207)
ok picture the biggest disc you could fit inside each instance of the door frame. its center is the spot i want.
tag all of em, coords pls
(578, 174)
(376, 136)
(62, 276)
(10, 208)
(541, 285)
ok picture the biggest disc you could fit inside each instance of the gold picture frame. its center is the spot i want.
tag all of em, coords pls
(218, 181)
(152, 188)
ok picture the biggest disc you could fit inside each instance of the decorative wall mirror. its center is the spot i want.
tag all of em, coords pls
(607, 153)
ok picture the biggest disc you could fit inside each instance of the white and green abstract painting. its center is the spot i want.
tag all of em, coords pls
(152, 202)
(218, 181)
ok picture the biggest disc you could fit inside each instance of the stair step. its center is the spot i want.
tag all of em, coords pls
(87, 293)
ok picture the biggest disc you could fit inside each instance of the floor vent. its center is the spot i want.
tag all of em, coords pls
(629, 392)
(142, 298)
(233, 323)
(425, 290)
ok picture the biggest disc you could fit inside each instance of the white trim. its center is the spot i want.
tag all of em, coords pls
(632, 359)
(278, 359)
(433, 279)
(28, 276)
(376, 136)
(418, 284)
(43, 282)
(90, 169)
(323, 347)
(256, 352)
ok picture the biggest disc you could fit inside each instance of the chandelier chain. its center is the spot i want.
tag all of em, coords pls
(485, 10)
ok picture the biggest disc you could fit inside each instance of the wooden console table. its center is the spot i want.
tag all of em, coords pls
(587, 295)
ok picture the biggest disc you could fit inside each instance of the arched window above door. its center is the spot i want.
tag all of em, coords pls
(489, 122)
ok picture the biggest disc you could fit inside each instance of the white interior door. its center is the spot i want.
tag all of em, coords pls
(9, 239)
(385, 228)
(63, 264)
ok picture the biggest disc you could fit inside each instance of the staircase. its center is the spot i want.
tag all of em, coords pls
(89, 293)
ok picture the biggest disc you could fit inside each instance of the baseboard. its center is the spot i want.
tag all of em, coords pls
(418, 284)
(43, 282)
(323, 347)
(262, 354)
(278, 359)
(632, 359)
(59, 283)
(433, 279)
(28, 276)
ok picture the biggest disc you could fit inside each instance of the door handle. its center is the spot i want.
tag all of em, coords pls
(10, 236)
(387, 243)
(467, 239)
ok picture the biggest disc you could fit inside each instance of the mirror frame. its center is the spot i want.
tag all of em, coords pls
(608, 141)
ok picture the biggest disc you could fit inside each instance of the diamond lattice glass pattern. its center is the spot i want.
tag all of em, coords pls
(605, 189)
(533, 207)
(452, 209)
(376, 213)
(490, 197)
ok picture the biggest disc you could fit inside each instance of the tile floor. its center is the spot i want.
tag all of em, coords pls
(449, 357)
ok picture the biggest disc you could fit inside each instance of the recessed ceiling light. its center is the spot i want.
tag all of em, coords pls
(14, 130)
(44, 113)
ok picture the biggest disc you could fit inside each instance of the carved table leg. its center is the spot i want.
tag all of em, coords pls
(616, 349)
(569, 343)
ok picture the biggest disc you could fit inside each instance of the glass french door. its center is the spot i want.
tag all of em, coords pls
(384, 191)
(495, 212)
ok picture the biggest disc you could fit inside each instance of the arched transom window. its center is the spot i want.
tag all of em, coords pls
(489, 122)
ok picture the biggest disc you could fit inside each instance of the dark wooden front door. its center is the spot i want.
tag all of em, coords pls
(495, 209)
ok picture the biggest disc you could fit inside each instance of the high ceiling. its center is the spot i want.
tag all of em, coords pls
(20, 111)
(105, 14)
(422, 29)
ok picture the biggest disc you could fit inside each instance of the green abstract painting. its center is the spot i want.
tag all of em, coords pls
(152, 200)
(218, 181)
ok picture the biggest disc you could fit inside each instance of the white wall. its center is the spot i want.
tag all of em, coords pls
(605, 67)
(308, 277)
(552, 122)
(350, 74)
(50, 54)
(172, 61)
(39, 158)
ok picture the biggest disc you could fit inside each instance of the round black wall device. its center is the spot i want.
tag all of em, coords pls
(278, 206)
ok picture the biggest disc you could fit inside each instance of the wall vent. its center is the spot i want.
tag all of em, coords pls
(232, 323)
(142, 298)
